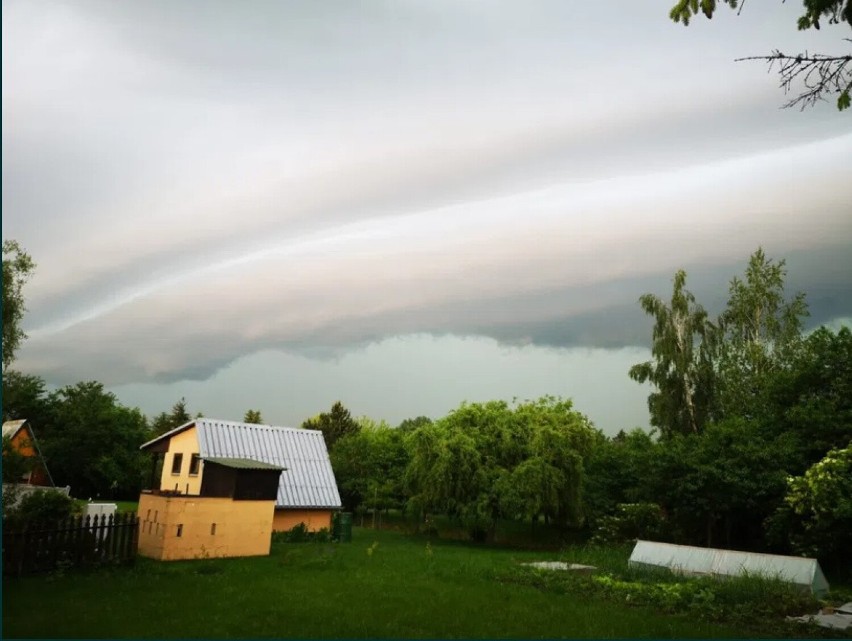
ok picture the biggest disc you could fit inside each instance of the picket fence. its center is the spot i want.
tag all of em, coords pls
(77, 542)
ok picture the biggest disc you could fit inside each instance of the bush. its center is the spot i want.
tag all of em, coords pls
(41, 506)
(300, 534)
(630, 522)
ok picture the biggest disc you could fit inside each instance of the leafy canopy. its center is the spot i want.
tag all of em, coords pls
(17, 268)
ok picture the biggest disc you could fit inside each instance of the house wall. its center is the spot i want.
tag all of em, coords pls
(22, 442)
(286, 519)
(243, 528)
(185, 443)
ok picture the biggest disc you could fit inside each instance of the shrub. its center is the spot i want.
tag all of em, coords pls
(630, 522)
(41, 506)
(300, 534)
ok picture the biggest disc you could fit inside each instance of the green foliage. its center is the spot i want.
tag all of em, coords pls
(411, 424)
(24, 397)
(253, 416)
(334, 424)
(632, 521)
(619, 470)
(17, 268)
(485, 461)
(817, 510)
(728, 482)
(809, 399)
(760, 333)
(300, 534)
(41, 506)
(369, 466)
(93, 445)
(835, 10)
(682, 366)
(165, 422)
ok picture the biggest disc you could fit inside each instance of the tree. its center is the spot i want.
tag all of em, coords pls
(619, 472)
(817, 511)
(760, 332)
(821, 74)
(486, 461)
(411, 424)
(24, 397)
(178, 416)
(334, 424)
(17, 268)
(253, 416)
(682, 366)
(810, 399)
(93, 445)
(369, 466)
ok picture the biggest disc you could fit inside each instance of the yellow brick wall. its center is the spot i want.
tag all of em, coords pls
(243, 528)
(185, 443)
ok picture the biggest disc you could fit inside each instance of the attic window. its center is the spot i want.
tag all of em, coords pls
(177, 463)
(194, 464)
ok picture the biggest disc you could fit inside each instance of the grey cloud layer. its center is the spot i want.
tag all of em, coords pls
(202, 181)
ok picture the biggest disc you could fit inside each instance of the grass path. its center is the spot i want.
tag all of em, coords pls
(401, 589)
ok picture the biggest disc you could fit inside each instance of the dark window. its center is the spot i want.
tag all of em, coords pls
(212, 528)
(177, 462)
(194, 464)
(180, 529)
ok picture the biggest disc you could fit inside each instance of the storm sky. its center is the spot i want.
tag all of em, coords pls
(400, 205)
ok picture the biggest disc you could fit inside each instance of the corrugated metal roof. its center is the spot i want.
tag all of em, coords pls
(309, 480)
(10, 428)
(243, 463)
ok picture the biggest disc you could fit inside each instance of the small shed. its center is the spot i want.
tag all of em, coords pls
(696, 561)
(231, 516)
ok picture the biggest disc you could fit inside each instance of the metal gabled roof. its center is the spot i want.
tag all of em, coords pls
(10, 428)
(308, 481)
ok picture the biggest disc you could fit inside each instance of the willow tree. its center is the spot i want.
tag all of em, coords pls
(682, 365)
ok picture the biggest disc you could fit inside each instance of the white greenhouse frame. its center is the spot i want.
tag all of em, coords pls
(695, 561)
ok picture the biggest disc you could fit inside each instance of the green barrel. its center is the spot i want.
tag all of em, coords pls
(335, 526)
(345, 525)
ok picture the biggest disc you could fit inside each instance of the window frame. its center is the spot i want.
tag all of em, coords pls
(194, 464)
(177, 462)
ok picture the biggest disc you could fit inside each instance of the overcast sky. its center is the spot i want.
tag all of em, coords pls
(401, 205)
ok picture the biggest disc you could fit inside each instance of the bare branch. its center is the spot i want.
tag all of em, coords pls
(820, 74)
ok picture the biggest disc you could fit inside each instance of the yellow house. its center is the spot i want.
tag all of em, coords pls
(306, 491)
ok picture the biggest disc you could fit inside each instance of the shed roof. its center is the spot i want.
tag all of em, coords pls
(10, 428)
(309, 481)
(243, 463)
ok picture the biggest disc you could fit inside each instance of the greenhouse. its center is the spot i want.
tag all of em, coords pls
(696, 561)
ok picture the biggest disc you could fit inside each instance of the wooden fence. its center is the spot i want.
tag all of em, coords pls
(77, 542)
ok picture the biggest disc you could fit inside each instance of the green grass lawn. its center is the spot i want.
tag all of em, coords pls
(382, 585)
